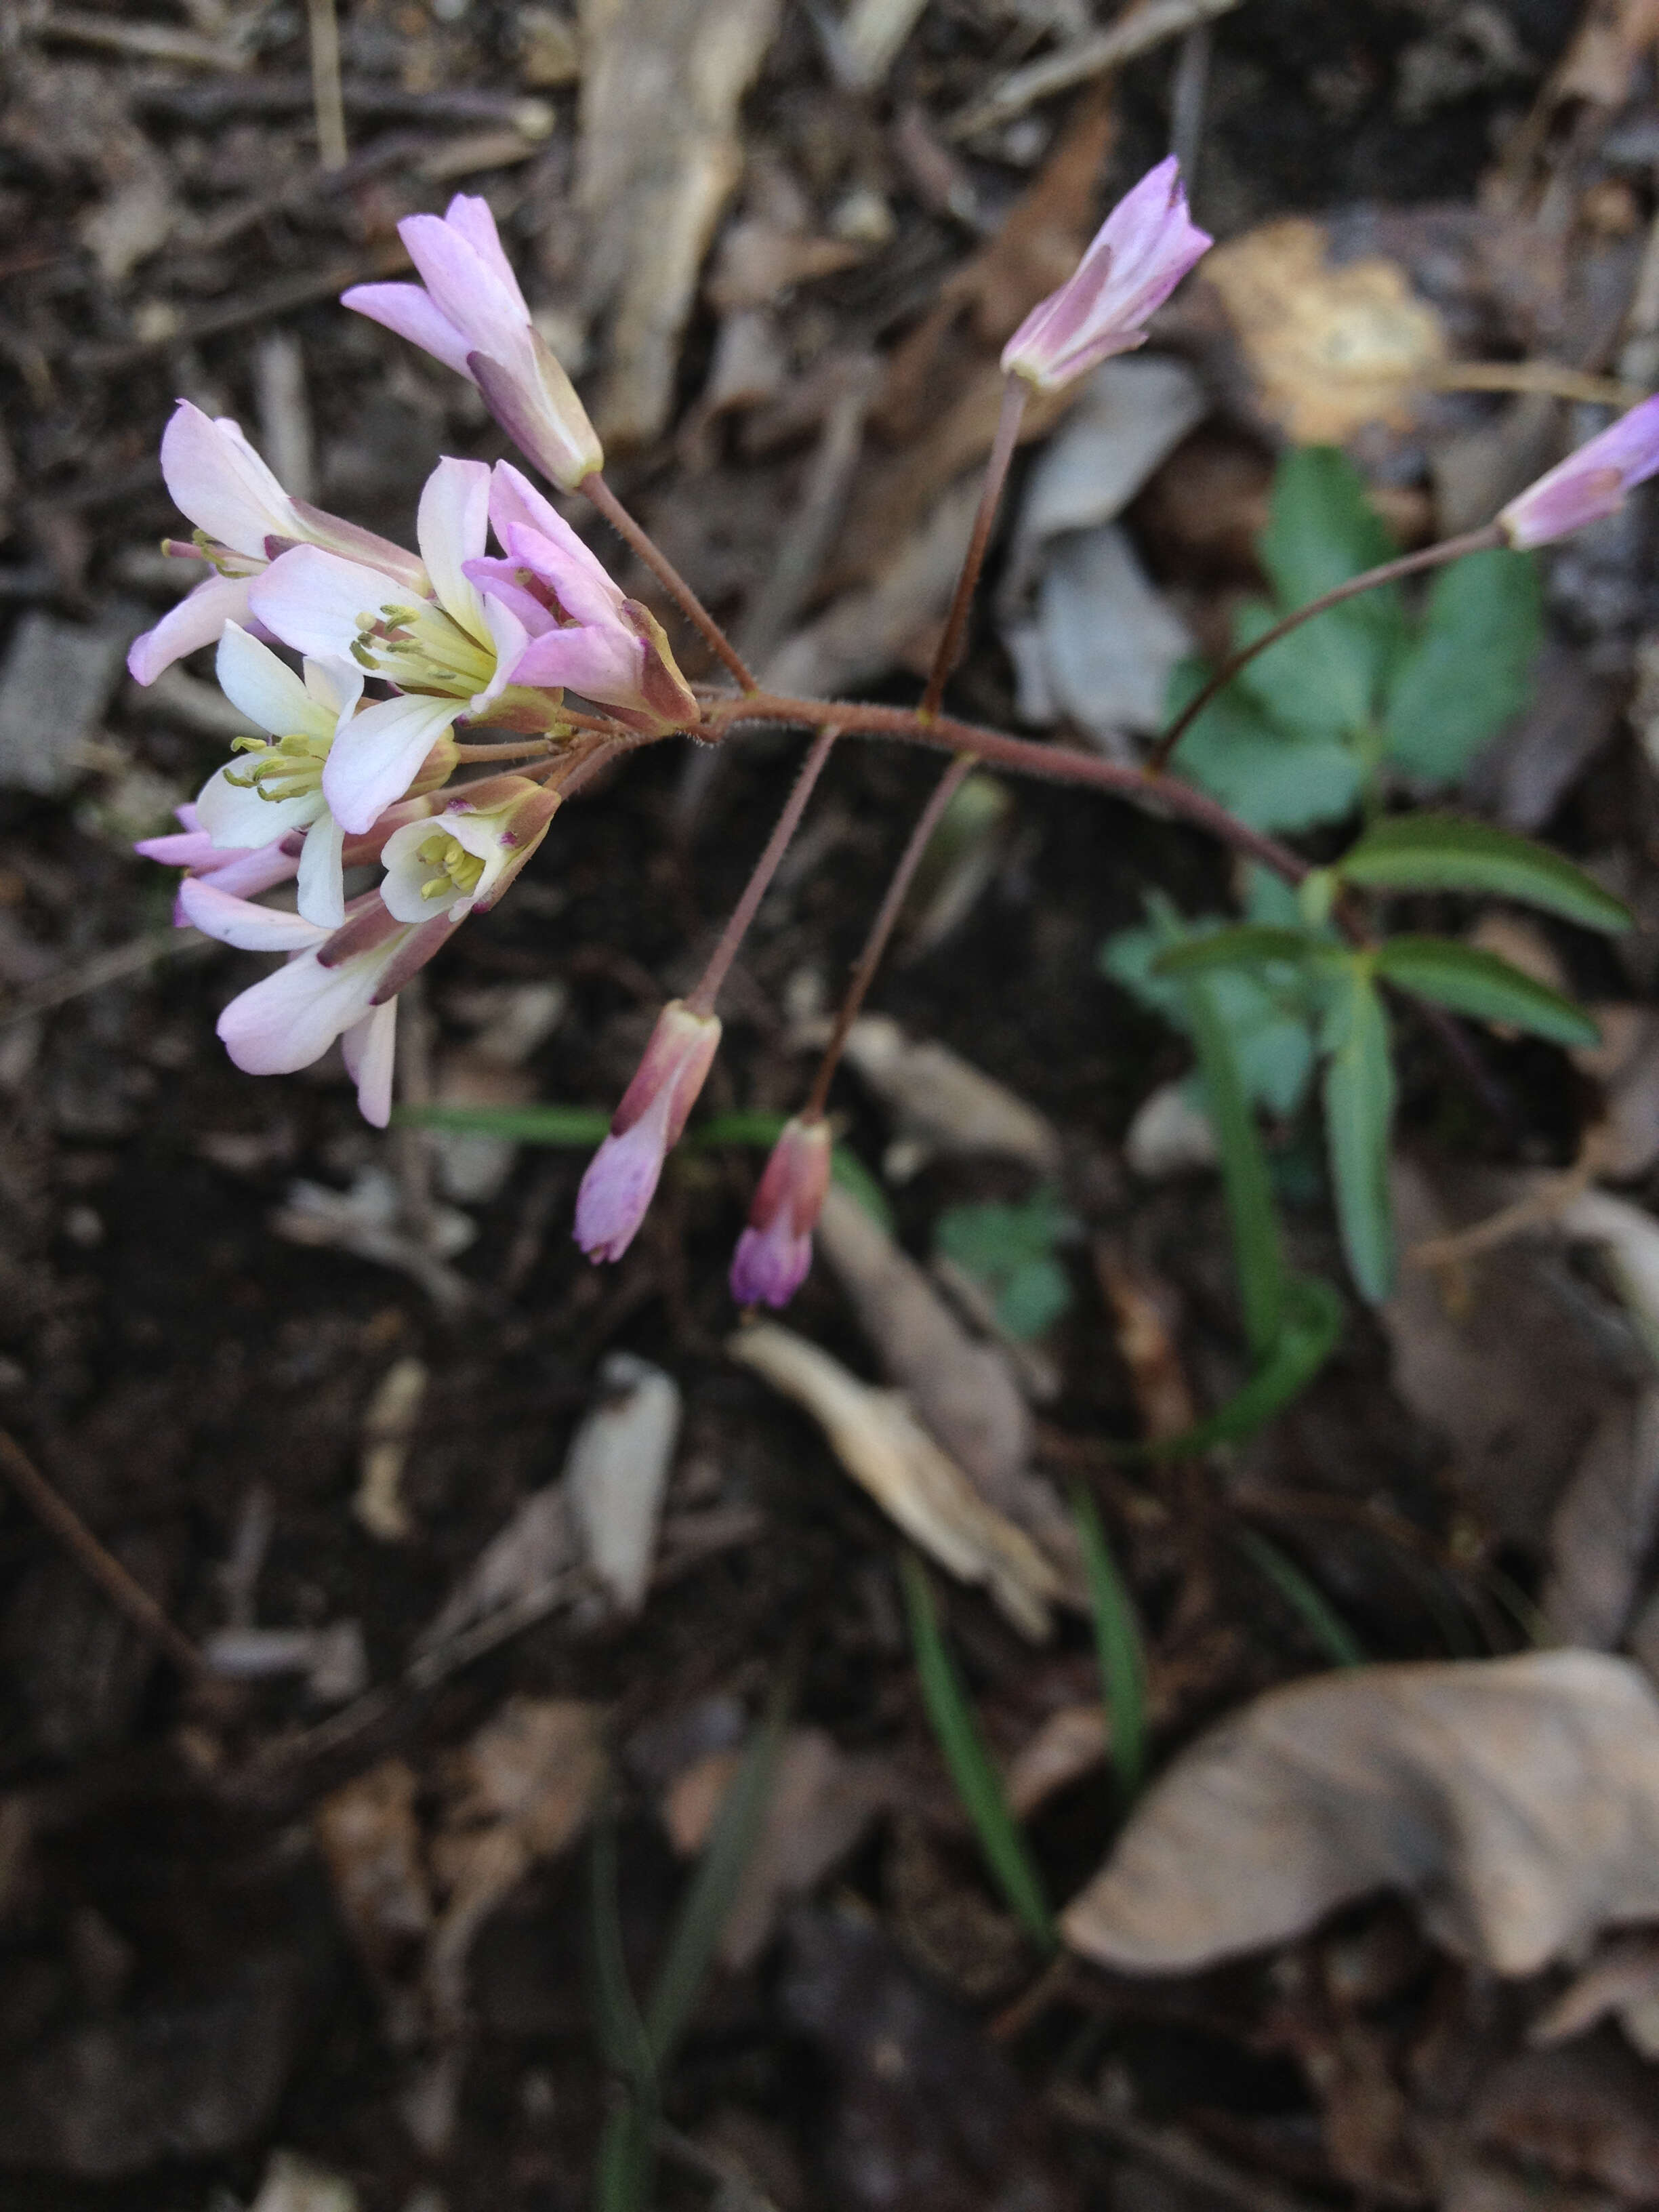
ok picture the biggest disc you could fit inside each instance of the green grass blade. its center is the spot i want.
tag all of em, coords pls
(1248, 1190)
(1359, 1102)
(1117, 1646)
(1312, 1325)
(978, 1783)
(1310, 1604)
(624, 2168)
(714, 1887)
(579, 1126)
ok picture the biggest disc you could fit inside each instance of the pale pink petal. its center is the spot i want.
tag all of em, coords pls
(377, 754)
(337, 685)
(576, 573)
(237, 921)
(508, 636)
(499, 580)
(408, 310)
(292, 1016)
(452, 529)
(264, 689)
(471, 215)
(247, 874)
(217, 479)
(198, 620)
(190, 848)
(321, 888)
(314, 601)
(319, 527)
(605, 664)
(621, 1182)
(239, 820)
(466, 290)
(370, 1050)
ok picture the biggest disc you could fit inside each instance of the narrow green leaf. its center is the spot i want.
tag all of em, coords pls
(1305, 1599)
(1470, 669)
(708, 1901)
(1442, 853)
(1256, 1253)
(1474, 982)
(578, 1126)
(1246, 945)
(624, 2167)
(1306, 1340)
(1117, 1647)
(1360, 1097)
(978, 1783)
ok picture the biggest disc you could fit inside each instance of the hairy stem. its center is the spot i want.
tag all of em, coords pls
(702, 999)
(1408, 565)
(667, 574)
(875, 944)
(1025, 756)
(1015, 393)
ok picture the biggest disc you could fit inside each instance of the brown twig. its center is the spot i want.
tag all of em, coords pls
(667, 574)
(328, 103)
(127, 1595)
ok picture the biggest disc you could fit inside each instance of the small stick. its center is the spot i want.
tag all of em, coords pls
(881, 928)
(327, 98)
(1136, 30)
(127, 1595)
(1408, 565)
(1015, 393)
(667, 574)
(702, 999)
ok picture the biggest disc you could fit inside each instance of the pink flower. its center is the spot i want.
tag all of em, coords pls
(336, 983)
(1140, 253)
(775, 1250)
(460, 862)
(1589, 484)
(622, 1176)
(239, 510)
(242, 871)
(582, 632)
(472, 316)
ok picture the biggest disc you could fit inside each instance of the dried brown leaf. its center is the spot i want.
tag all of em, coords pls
(1603, 1527)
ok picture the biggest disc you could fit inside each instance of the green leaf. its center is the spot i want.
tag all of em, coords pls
(627, 2145)
(1322, 680)
(1359, 1096)
(1256, 1253)
(1306, 1340)
(1322, 527)
(578, 1126)
(1246, 945)
(1470, 669)
(1270, 777)
(1117, 1647)
(1442, 853)
(978, 1783)
(1305, 1599)
(1009, 1251)
(1471, 981)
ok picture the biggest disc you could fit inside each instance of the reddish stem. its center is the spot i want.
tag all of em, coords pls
(1015, 393)
(667, 574)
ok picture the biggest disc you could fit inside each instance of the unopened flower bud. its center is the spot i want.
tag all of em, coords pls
(1140, 253)
(775, 1250)
(1589, 484)
(622, 1175)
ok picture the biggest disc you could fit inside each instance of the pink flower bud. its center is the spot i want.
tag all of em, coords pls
(1140, 254)
(622, 1176)
(1589, 484)
(775, 1250)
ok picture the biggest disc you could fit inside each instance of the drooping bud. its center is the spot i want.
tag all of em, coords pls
(775, 1250)
(622, 1175)
(460, 860)
(668, 698)
(1140, 254)
(1590, 484)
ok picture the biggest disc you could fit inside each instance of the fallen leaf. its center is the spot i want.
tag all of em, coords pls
(616, 1473)
(1145, 1318)
(1589, 2116)
(390, 1420)
(370, 1841)
(1622, 1981)
(1516, 1800)
(885, 1448)
(822, 1802)
(1331, 348)
(1603, 1527)
(1070, 1744)
(537, 1547)
(293, 2183)
(661, 84)
(944, 1104)
(865, 43)
(1626, 1065)
(1103, 644)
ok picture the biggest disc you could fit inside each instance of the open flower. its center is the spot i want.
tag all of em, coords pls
(472, 316)
(242, 871)
(622, 1175)
(460, 862)
(336, 983)
(583, 633)
(448, 653)
(1589, 484)
(775, 1250)
(241, 513)
(1140, 254)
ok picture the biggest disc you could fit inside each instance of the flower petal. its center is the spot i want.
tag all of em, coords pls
(377, 754)
(266, 689)
(471, 215)
(466, 290)
(452, 529)
(605, 664)
(369, 1047)
(245, 875)
(217, 479)
(239, 821)
(499, 580)
(291, 1017)
(337, 685)
(509, 637)
(322, 888)
(312, 600)
(198, 620)
(237, 921)
(576, 574)
(410, 312)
